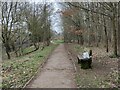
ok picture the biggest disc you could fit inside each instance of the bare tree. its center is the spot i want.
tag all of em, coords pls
(8, 18)
(106, 12)
(24, 23)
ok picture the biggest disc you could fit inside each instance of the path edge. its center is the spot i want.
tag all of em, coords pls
(38, 70)
(73, 61)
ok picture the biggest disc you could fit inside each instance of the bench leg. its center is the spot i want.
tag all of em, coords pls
(86, 64)
(90, 63)
(79, 61)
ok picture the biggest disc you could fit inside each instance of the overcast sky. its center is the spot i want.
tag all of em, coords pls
(56, 18)
(56, 21)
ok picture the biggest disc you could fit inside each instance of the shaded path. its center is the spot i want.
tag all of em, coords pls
(57, 73)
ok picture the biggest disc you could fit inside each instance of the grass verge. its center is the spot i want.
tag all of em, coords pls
(17, 72)
(58, 41)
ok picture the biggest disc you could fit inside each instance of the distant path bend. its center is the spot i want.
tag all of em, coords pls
(57, 73)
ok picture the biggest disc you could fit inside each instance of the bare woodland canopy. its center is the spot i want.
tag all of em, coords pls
(89, 23)
(92, 23)
(25, 24)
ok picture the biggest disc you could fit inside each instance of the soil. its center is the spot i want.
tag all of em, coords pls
(104, 72)
(58, 72)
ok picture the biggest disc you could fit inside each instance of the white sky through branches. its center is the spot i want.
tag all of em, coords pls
(56, 23)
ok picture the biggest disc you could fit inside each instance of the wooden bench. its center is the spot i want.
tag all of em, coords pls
(85, 62)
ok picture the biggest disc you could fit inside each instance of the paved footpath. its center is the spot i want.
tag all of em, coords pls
(58, 72)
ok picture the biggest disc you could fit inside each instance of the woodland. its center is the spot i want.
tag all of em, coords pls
(28, 41)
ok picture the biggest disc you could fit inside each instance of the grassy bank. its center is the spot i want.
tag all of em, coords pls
(18, 71)
(58, 41)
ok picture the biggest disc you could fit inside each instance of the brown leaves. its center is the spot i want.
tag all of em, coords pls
(104, 73)
(69, 12)
(79, 32)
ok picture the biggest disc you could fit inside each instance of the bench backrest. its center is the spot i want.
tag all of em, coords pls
(90, 53)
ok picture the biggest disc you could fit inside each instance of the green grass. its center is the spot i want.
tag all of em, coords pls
(18, 71)
(58, 41)
(26, 50)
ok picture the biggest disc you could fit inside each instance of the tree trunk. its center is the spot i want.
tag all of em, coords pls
(106, 38)
(114, 36)
(8, 50)
(36, 46)
(119, 30)
(14, 49)
(8, 54)
(81, 39)
(106, 35)
(48, 42)
(119, 39)
(78, 39)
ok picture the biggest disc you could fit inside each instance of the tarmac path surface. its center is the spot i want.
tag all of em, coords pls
(58, 72)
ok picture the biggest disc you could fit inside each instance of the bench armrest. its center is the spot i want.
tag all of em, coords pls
(90, 56)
